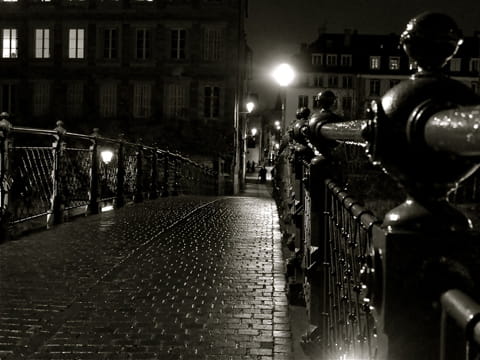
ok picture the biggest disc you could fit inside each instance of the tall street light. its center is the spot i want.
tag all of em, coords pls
(283, 75)
(250, 105)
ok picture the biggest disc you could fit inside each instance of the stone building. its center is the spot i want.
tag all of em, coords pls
(360, 68)
(172, 72)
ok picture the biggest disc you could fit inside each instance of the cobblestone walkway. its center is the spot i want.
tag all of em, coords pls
(184, 278)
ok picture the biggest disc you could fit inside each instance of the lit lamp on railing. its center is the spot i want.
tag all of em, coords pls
(250, 106)
(283, 75)
(107, 156)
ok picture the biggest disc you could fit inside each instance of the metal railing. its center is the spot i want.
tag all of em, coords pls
(382, 244)
(49, 175)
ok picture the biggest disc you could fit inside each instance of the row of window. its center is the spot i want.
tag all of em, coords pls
(345, 102)
(109, 42)
(331, 81)
(345, 60)
(176, 99)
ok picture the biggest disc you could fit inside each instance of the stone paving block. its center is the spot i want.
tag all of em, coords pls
(131, 285)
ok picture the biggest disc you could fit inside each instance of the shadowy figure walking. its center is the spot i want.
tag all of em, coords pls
(262, 175)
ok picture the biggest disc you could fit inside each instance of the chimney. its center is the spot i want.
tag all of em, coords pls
(347, 39)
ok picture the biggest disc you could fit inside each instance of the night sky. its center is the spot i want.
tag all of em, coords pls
(276, 28)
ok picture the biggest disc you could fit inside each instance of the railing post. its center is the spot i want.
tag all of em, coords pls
(316, 268)
(138, 195)
(419, 240)
(57, 204)
(154, 176)
(5, 175)
(165, 174)
(93, 204)
(175, 177)
(120, 195)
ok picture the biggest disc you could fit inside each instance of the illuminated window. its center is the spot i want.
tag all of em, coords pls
(41, 98)
(177, 106)
(108, 100)
(374, 62)
(455, 64)
(74, 98)
(211, 105)
(110, 44)
(142, 100)
(42, 43)
(9, 43)
(212, 44)
(475, 65)
(9, 0)
(331, 60)
(374, 86)
(178, 38)
(143, 44)
(346, 60)
(317, 59)
(76, 43)
(394, 63)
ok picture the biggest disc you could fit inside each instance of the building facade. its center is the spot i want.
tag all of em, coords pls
(361, 68)
(172, 72)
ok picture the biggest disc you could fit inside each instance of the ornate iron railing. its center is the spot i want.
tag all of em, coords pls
(48, 175)
(385, 276)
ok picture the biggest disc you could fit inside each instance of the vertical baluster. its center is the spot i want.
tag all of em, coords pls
(120, 191)
(165, 174)
(93, 203)
(175, 176)
(57, 202)
(154, 176)
(138, 194)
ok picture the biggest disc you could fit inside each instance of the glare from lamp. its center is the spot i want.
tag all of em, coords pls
(250, 106)
(254, 131)
(107, 156)
(283, 74)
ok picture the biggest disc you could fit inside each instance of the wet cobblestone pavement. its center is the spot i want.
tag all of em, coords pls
(178, 278)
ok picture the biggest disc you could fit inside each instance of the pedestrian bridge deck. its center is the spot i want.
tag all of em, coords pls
(174, 278)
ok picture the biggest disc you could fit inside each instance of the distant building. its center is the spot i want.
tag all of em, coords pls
(361, 68)
(172, 72)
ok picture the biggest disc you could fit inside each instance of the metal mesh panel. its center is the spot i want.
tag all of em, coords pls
(32, 186)
(76, 180)
(348, 322)
(108, 177)
(130, 172)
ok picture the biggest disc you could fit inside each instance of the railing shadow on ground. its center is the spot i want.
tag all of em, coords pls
(48, 176)
(377, 215)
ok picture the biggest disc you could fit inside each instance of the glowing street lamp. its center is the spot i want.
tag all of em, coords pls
(250, 106)
(283, 75)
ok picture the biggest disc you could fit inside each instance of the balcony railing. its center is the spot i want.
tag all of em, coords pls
(384, 251)
(49, 175)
